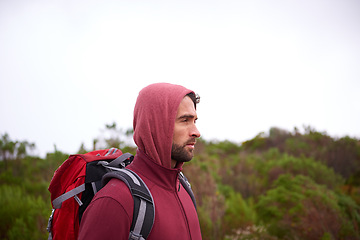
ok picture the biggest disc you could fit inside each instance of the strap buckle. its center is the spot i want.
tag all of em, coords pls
(134, 236)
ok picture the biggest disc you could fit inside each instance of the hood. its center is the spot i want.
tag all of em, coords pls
(154, 119)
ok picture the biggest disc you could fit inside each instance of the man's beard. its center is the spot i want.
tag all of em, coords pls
(180, 154)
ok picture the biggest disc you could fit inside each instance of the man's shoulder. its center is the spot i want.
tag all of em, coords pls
(117, 190)
(112, 205)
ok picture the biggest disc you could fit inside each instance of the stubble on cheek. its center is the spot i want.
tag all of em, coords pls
(180, 153)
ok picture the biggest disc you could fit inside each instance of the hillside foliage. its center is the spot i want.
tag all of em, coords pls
(278, 185)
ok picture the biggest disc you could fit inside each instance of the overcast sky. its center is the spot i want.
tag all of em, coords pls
(67, 68)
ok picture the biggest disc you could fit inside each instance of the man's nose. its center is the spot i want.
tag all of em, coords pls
(195, 132)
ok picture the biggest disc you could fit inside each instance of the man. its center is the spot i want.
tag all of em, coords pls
(165, 133)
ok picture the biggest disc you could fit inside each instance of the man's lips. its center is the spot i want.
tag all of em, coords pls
(191, 144)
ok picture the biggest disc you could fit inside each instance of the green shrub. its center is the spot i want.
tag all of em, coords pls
(286, 164)
(296, 205)
(239, 214)
(22, 216)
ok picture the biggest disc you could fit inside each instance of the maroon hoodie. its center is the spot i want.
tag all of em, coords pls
(110, 214)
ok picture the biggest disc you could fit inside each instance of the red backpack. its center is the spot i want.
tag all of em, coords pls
(77, 180)
(81, 176)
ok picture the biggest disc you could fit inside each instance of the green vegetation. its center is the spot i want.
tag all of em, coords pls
(278, 185)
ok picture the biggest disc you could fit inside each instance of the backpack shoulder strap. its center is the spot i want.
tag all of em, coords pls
(186, 184)
(144, 209)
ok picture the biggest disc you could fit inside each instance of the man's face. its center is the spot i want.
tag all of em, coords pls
(185, 132)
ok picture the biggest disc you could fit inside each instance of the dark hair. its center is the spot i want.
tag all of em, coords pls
(194, 97)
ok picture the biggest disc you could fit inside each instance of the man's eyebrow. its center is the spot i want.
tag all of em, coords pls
(187, 116)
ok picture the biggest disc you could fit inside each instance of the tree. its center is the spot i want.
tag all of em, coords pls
(112, 137)
(7, 147)
(295, 206)
(13, 149)
(22, 148)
